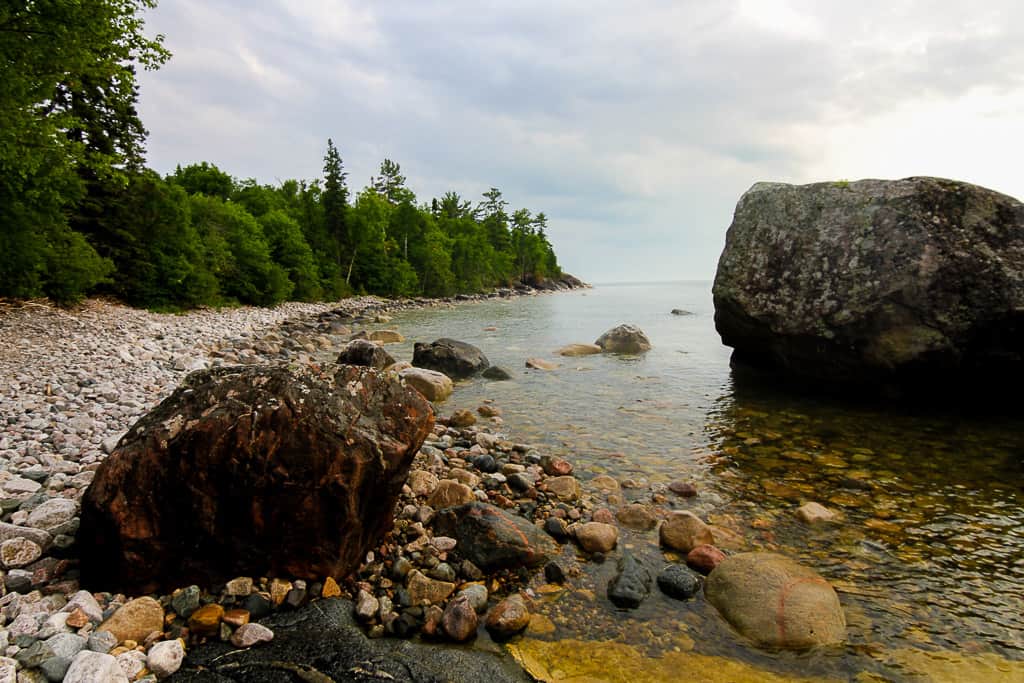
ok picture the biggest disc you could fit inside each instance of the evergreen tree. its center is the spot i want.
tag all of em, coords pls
(390, 184)
(334, 200)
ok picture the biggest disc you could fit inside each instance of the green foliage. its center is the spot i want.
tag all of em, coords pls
(238, 254)
(67, 96)
(289, 249)
(205, 179)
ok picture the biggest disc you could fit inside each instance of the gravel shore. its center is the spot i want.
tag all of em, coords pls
(72, 383)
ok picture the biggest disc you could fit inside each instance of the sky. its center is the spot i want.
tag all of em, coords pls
(634, 126)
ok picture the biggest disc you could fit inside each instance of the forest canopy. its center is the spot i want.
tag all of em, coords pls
(80, 213)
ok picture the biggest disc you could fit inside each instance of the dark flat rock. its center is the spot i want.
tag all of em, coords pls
(321, 643)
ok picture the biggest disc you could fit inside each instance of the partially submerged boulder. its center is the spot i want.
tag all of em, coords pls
(776, 602)
(435, 386)
(252, 471)
(624, 339)
(913, 283)
(454, 358)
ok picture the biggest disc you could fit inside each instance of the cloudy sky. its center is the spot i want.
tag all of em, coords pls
(635, 126)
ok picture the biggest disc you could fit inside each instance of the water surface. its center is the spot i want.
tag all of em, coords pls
(928, 555)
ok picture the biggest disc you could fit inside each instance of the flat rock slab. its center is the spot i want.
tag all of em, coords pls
(322, 642)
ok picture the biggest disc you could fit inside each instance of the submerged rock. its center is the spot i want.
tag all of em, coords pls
(676, 581)
(624, 339)
(631, 584)
(454, 358)
(912, 284)
(683, 530)
(252, 471)
(508, 617)
(776, 602)
(579, 350)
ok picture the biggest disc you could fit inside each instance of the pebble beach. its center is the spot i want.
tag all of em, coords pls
(74, 381)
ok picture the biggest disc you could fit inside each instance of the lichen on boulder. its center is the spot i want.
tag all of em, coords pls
(914, 283)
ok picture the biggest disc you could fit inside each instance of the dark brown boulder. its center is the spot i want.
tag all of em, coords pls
(454, 358)
(365, 352)
(491, 538)
(252, 471)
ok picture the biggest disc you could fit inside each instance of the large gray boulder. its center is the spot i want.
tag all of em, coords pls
(908, 283)
(776, 602)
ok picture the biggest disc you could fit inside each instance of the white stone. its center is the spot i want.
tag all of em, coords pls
(66, 645)
(132, 663)
(165, 658)
(52, 513)
(94, 667)
(8, 670)
(18, 552)
(248, 635)
(85, 601)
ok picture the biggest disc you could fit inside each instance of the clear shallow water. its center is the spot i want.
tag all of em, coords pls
(928, 556)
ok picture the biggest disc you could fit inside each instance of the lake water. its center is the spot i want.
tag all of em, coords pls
(928, 555)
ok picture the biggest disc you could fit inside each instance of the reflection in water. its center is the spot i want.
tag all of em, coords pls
(928, 552)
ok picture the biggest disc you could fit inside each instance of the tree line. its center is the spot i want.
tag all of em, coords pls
(80, 213)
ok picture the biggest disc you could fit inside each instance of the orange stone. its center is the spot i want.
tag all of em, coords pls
(236, 617)
(331, 588)
(77, 619)
(205, 621)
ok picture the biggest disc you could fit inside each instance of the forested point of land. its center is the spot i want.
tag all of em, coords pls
(80, 214)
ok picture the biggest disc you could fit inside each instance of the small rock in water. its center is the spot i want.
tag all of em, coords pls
(676, 581)
(637, 516)
(508, 617)
(683, 488)
(814, 513)
(557, 528)
(596, 537)
(704, 558)
(684, 531)
(540, 364)
(497, 374)
(461, 419)
(679, 311)
(554, 573)
(631, 584)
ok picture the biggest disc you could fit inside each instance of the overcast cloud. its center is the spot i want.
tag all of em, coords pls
(634, 126)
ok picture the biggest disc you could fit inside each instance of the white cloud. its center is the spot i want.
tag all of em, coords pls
(635, 128)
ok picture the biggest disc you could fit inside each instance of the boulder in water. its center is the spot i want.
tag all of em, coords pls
(435, 386)
(454, 358)
(624, 339)
(252, 471)
(910, 284)
(776, 602)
